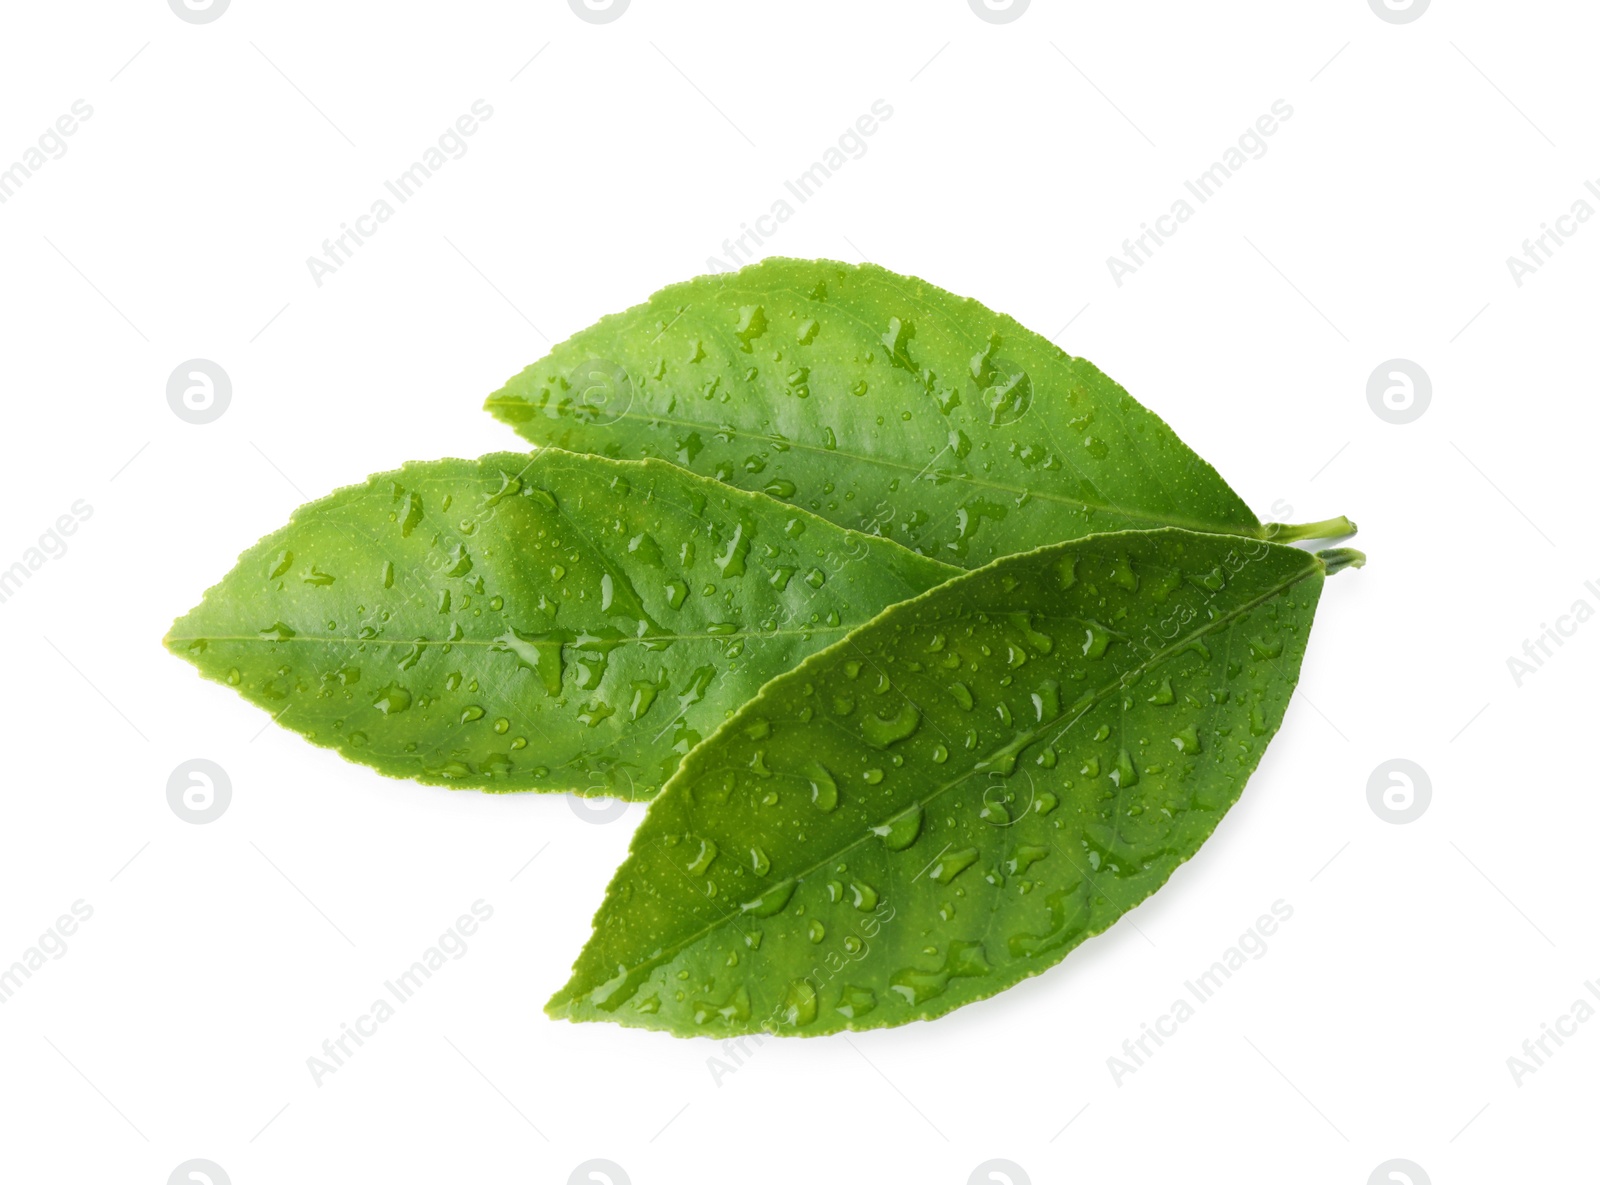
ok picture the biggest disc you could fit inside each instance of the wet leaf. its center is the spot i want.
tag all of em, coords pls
(878, 401)
(958, 793)
(553, 622)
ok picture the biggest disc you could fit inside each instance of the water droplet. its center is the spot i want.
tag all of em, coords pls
(770, 902)
(593, 713)
(800, 1003)
(953, 864)
(863, 896)
(1068, 913)
(735, 1008)
(855, 1001)
(1124, 775)
(731, 561)
(824, 790)
(880, 733)
(703, 857)
(509, 485)
(896, 344)
(1266, 647)
(392, 699)
(900, 832)
(1096, 639)
(413, 515)
(644, 694)
(965, 959)
(752, 324)
(1047, 701)
(1025, 857)
(1187, 740)
(539, 653)
(1122, 573)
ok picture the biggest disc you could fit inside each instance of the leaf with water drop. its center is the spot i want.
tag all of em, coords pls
(1017, 758)
(545, 622)
(880, 402)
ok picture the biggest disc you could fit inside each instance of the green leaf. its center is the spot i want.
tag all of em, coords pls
(878, 401)
(958, 793)
(553, 622)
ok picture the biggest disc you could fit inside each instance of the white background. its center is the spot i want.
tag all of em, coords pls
(1018, 157)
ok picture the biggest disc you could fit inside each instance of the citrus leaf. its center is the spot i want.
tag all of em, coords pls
(955, 795)
(553, 622)
(878, 401)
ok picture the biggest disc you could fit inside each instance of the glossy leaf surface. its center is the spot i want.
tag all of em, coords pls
(878, 401)
(545, 622)
(957, 794)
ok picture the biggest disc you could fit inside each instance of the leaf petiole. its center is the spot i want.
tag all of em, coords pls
(1336, 559)
(1330, 528)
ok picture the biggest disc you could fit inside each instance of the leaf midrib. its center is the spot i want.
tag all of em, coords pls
(1207, 527)
(320, 639)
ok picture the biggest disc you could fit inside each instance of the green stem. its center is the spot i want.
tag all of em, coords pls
(1331, 528)
(1335, 559)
